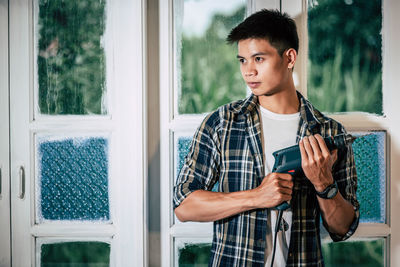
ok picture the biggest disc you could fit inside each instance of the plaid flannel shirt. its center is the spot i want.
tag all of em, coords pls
(227, 148)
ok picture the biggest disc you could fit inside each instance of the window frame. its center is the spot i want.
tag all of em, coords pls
(5, 247)
(172, 124)
(125, 123)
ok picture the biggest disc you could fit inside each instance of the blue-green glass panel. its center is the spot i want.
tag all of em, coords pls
(71, 62)
(182, 150)
(75, 254)
(73, 178)
(363, 253)
(369, 155)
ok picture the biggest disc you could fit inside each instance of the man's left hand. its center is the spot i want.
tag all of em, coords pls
(317, 161)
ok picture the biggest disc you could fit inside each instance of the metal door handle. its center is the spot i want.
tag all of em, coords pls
(21, 182)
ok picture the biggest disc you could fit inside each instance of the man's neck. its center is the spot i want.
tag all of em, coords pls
(284, 102)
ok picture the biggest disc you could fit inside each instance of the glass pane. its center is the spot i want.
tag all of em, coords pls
(345, 55)
(183, 150)
(369, 155)
(191, 254)
(208, 74)
(72, 178)
(71, 58)
(183, 146)
(367, 253)
(75, 254)
(363, 253)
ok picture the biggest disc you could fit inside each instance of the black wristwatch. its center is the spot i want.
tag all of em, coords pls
(329, 192)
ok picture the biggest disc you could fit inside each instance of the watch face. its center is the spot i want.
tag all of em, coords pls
(332, 192)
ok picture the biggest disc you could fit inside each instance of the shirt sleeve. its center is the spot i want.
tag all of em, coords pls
(201, 167)
(344, 172)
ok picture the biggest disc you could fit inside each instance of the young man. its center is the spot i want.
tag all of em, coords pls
(234, 146)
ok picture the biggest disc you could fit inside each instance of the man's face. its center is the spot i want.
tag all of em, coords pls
(262, 68)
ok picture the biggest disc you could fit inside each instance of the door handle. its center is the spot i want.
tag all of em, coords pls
(21, 173)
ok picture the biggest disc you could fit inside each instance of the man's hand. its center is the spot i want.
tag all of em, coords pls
(317, 161)
(273, 190)
(207, 206)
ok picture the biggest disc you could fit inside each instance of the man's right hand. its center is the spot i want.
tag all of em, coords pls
(206, 206)
(273, 190)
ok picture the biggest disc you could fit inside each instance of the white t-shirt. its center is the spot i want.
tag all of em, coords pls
(279, 131)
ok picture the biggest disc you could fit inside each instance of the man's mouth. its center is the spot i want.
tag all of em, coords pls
(253, 84)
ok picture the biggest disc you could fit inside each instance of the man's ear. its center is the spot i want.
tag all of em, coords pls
(291, 56)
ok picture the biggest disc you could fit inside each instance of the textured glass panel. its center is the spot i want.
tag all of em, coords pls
(368, 253)
(208, 73)
(194, 255)
(73, 178)
(369, 155)
(182, 150)
(345, 55)
(75, 254)
(71, 59)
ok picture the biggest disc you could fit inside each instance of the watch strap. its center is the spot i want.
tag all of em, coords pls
(329, 192)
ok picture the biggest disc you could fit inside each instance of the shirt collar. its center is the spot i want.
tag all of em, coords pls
(248, 105)
(307, 112)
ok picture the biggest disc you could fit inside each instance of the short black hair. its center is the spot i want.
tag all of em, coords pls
(277, 28)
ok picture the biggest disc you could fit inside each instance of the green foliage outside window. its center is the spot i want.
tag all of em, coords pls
(345, 55)
(194, 255)
(71, 59)
(367, 253)
(210, 71)
(75, 254)
(354, 253)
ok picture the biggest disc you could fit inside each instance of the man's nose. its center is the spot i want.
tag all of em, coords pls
(250, 70)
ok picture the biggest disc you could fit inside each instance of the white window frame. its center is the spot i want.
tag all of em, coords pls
(5, 248)
(171, 123)
(125, 123)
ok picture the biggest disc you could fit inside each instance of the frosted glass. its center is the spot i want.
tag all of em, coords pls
(183, 150)
(369, 155)
(183, 146)
(71, 63)
(72, 178)
(75, 254)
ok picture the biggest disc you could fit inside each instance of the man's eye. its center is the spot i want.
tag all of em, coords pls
(259, 59)
(241, 60)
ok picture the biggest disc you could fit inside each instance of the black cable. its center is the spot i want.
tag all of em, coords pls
(277, 226)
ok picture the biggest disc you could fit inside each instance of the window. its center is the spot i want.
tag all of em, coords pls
(343, 69)
(205, 76)
(206, 73)
(345, 55)
(74, 162)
